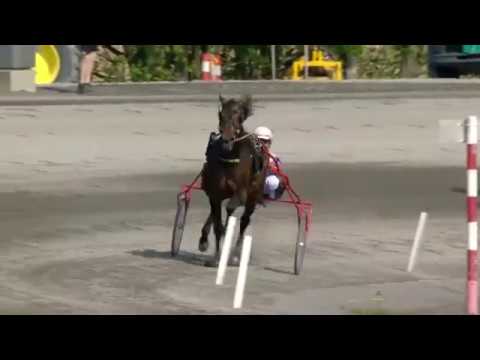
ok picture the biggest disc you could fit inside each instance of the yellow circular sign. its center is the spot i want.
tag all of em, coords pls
(47, 64)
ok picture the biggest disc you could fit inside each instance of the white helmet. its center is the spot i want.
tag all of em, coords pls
(264, 133)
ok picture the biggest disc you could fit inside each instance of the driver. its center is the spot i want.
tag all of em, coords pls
(274, 184)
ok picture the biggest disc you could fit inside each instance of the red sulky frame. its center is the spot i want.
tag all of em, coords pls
(304, 213)
(304, 208)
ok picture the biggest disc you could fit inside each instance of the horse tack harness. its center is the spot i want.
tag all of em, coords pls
(228, 157)
(236, 160)
(223, 152)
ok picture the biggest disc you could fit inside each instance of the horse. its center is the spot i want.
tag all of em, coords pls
(235, 170)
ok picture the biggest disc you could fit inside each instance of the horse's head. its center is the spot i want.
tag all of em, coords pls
(232, 114)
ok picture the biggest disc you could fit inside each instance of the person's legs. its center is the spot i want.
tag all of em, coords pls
(274, 187)
(271, 185)
(87, 65)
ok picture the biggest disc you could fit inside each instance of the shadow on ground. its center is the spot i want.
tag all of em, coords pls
(185, 257)
(69, 90)
(279, 271)
(458, 190)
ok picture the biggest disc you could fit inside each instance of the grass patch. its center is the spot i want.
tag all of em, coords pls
(376, 312)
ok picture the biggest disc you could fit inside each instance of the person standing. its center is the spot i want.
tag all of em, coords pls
(87, 64)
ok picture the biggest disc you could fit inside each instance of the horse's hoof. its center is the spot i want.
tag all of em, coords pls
(203, 246)
(211, 263)
(234, 261)
(262, 203)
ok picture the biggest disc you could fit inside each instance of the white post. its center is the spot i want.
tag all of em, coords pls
(307, 59)
(227, 244)
(417, 242)
(274, 62)
(242, 273)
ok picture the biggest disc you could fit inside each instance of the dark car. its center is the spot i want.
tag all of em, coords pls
(452, 61)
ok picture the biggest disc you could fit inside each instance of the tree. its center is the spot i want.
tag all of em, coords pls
(253, 62)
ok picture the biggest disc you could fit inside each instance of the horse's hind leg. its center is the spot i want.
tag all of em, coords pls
(244, 223)
(203, 244)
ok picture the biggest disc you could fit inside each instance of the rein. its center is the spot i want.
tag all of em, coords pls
(242, 138)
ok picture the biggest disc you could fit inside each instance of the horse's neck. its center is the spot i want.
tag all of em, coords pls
(246, 149)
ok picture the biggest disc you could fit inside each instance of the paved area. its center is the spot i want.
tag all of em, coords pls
(87, 200)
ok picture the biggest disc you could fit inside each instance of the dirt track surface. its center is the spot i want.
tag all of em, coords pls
(87, 201)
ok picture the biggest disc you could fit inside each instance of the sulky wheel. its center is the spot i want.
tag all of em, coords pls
(180, 221)
(301, 244)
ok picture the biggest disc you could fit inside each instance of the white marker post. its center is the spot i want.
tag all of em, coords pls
(227, 244)
(417, 242)
(242, 273)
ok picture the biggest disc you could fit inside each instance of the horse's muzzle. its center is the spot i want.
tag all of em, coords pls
(228, 133)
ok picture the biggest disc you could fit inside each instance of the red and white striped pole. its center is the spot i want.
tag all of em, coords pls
(206, 67)
(472, 194)
(217, 68)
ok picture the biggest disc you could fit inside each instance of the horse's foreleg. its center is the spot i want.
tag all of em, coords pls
(216, 219)
(217, 226)
(203, 244)
(232, 206)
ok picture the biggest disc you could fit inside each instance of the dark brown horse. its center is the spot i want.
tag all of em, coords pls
(235, 170)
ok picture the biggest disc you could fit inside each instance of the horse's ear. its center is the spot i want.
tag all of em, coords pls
(247, 105)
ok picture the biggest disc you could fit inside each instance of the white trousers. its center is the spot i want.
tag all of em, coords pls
(272, 183)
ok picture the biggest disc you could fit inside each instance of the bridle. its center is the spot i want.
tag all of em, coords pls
(233, 142)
